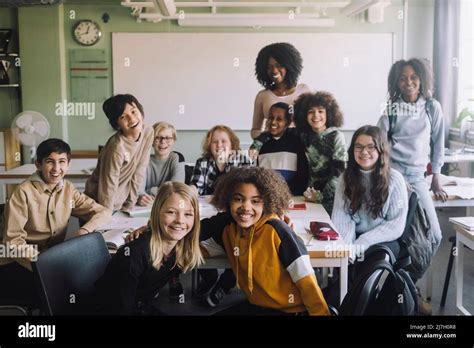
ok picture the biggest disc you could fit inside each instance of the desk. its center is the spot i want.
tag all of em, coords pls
(463, 238)
(75, 173)
(448, 204)
(460, 157)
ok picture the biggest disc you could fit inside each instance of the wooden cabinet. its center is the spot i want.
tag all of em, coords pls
(10, 152)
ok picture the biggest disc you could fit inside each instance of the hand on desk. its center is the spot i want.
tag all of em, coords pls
(145, 200)
(438, 192)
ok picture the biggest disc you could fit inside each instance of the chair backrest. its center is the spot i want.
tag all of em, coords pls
(180, 156)
(65, 274)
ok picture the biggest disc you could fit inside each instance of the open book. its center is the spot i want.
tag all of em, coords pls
(139, 211)
(115, 238)
(454, 186)
(117, 228)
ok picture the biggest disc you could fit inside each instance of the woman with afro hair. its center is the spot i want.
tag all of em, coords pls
(277, 68)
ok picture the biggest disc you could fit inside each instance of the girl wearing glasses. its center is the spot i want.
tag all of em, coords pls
(371, 201)
(165, 165)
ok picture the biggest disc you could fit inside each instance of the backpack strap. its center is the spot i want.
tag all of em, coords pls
(429, 109)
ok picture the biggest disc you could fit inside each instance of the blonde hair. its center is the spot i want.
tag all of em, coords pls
(206, 145)
(159, 126)
(188, 252)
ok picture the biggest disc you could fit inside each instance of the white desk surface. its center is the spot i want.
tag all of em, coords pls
(460, 157)
(20, 173)
(454, 203)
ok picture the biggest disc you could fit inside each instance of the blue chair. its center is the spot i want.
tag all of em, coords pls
(65, 274)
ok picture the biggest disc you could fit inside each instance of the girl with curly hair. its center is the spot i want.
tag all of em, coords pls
(318, 118)
(277, 68)
(371, 202)
(271, 264)
(414, 123)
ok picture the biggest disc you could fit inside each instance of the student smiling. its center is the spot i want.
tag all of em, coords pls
(270, 262)
(284, 152)
(371, 201)
(168, 247)
(164, 165)
(277, 68)
(122, 163)
(37, 214)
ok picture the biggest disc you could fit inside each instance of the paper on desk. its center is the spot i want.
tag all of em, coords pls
(123, 223)
(445, 180)
(206, 209)
(455, 186)
(143, 212)
(463, 192)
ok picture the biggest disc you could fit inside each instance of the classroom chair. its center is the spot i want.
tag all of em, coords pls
(188, 170)
(65, 274)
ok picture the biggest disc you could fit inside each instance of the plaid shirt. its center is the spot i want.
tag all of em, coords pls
(205, 174)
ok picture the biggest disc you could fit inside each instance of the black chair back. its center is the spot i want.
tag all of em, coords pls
(65, 274)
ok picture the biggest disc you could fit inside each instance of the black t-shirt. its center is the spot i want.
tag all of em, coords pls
(130, 277)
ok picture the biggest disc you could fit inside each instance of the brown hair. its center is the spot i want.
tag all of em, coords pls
(354, 191)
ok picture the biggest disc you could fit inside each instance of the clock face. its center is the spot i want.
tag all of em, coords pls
(87, 32)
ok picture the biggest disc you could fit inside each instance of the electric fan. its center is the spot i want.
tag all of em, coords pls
(30, 129)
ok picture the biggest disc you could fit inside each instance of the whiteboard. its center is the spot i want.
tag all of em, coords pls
(198, 80)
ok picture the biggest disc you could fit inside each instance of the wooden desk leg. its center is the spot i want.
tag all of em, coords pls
(460, 274)
(343, 277)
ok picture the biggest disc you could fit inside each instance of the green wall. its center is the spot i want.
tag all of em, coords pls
(46, 38)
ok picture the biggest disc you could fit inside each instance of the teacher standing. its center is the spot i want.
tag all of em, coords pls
(277, 68)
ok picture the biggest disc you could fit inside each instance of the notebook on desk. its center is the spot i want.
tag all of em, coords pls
(466, 222)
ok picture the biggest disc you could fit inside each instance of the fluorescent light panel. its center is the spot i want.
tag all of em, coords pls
(254, 20)
(357, 6)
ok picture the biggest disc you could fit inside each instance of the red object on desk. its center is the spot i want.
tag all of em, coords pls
(298, 206)
(323, 231)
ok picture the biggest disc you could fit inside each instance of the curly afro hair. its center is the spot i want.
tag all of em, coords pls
(422, 68)
(287, 56)
(306, 101)
(272, 187)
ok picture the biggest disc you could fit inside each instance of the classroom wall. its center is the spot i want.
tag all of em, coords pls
(46, 38)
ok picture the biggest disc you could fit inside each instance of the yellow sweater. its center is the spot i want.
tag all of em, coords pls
(271, 265)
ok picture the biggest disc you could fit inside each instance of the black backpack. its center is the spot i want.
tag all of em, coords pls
(381, 286)
(417, 238)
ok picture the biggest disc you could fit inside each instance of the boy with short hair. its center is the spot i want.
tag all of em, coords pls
(37, 214)
(121, 168)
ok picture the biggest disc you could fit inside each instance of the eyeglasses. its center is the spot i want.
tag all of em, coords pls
(360, 148)
(165, 139)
